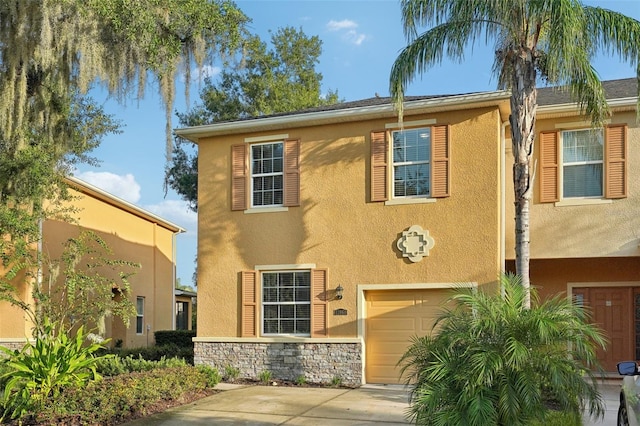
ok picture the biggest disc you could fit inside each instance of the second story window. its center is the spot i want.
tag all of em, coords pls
(582, 163)
(267, 185)
(411, 158)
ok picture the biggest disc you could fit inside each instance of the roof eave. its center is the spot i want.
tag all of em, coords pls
(342, 115)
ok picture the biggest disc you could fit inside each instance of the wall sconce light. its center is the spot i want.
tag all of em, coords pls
(339, 291)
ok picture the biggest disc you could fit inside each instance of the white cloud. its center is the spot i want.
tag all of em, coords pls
(124, 187)
(341, 25)
(175, 211)
(199, 74)
(348, 29)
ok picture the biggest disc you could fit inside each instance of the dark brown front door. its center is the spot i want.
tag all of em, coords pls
(612, 311)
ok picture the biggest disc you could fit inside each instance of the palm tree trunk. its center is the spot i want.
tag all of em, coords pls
(522, 120)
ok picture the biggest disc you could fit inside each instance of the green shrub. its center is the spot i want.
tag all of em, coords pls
(265, 376)
(336, 381)
(115, 399)
(40, 371)
(180, 338)
(212, 374)
(156, 353)
(117, 365)
(301, 380)
(231, 373)
(495, 360)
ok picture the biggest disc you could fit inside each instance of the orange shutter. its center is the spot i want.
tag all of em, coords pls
(440, 162)
(549, 167)
(615, 178)
(319, 309)
(238, 177)
(249, 285)
(291, 172)
(379, 164)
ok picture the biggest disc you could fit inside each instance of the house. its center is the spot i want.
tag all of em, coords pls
(184, 308)
(585, 221)
(134, 235)
(327, 238)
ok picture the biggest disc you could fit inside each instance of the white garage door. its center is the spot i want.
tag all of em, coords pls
(392, 318)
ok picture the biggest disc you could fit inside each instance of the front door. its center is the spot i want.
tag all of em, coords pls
(612, 311)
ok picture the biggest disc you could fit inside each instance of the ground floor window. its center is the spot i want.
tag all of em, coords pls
(286, 303)
(140, 315)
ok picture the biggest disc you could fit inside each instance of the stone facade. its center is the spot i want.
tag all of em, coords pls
(14, 345)
(317, 362)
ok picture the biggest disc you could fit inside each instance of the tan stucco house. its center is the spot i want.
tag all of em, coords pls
(585, 215)
(327, 238)
(134, 235)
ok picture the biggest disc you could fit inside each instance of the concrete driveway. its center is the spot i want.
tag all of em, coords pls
(271, 405)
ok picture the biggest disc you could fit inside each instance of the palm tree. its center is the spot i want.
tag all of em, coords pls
(552, 40)
(495, 361)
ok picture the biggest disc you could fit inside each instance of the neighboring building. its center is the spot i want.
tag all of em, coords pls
(329, 237)
(185, 303)
(585, 215)
(134, 235)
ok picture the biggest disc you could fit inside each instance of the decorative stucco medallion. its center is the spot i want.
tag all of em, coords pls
(415, 243)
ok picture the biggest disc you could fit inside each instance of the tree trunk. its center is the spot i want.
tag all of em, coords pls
(522, 120)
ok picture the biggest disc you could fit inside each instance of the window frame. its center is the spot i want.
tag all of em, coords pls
(140, 315)
(263, 304)
(394, 164)
(562, 164)
(252, 175)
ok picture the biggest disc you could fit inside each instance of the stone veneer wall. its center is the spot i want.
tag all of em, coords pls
(317, 362)
(12, 345)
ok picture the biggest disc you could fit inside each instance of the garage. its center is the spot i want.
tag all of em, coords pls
(393, 317)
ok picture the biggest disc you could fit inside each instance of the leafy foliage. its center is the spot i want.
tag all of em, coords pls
(52, 52)
(268, 81)
(119, 398)
(181, 338)
(40, 371)
(115, 365)
(493, 361)
(156, 353)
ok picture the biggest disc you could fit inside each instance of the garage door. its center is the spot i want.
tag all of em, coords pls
(392, 318)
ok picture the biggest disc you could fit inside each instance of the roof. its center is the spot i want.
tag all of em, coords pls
(549, 98)
(371, 108)
(614, 89)
(185, 293)
(93, 191)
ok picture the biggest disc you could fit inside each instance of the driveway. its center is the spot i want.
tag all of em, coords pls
(269, 405)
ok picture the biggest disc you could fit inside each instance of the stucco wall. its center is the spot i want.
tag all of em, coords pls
(582, 231)
(133, 239)
(338, 228)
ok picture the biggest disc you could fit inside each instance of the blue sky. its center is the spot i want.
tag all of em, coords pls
(361, 39)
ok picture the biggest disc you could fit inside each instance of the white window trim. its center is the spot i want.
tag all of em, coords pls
(578, 201)
(267, 209)
(251, 176)
(262, 304)
(407, 199)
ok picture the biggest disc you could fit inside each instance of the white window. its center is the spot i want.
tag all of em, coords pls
(286, 303)
(582, 165)
(140, 315)
(411, 162)
(267, 185)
